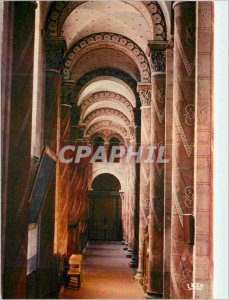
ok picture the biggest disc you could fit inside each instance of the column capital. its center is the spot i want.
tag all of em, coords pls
(144, 90)
(67, 89)
(55, 49)
(157, 55)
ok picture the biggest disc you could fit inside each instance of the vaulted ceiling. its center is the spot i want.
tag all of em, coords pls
(108, 35)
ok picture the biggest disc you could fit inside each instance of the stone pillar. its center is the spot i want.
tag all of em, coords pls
(183, 152)
(52, 116)
(17, 166)
(6, 81)
(131, 179)
(122, 196)
(126, 219)
(168, 169)
(145, 97)
(203, 256)
(62, 213)
(61, 216)
(136, 187)
(54, 54)
(156, 213)
(48, 222)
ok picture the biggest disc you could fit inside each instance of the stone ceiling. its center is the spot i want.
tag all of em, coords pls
(107, 35)
(121, 17)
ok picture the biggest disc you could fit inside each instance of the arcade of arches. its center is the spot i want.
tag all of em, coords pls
(108, 73)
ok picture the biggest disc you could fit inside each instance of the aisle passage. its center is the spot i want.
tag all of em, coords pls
(106, 274)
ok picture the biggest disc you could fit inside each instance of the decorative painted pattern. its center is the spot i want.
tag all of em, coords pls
(187, 146)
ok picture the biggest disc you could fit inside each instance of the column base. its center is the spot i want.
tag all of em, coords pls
(129, 253)
(153, 295)
(138, 277)
(133, 263)
(125, 247)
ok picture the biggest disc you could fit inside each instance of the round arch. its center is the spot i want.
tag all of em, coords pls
(106, 95)
(106, 72)
(60, 10)
(107, 170)
(111, 182)
(109, 125)
(109, 85)
(118, 41)
(117, 114)
(112, 104)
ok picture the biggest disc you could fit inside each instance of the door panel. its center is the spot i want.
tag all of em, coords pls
(105, 219)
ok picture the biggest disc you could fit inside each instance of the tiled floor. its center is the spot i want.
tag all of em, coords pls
(106, 275)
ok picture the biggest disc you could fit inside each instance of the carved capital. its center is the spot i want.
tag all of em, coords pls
(55, 50)
(144, 91)
(157, 55)
(158, 61)
(67, 90)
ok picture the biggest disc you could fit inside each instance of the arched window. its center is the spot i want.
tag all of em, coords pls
(114, 141)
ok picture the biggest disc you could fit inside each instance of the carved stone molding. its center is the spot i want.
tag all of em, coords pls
(145, 92)
(60, 10)
(122, 42)
(107, 124)
(106, 72)
(107, 95)
(158, 19)
(55, 50)
(106, 111)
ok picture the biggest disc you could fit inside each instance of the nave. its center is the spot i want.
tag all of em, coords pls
(97, 75)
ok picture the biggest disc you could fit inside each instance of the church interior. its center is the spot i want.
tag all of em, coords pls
(107, 73)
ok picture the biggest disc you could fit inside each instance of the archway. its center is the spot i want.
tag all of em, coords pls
(105, 209)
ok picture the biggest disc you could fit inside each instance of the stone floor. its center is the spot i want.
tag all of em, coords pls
(106, 275)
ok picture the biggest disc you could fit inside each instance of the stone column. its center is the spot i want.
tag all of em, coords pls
(6, 81)
(122, 196)
(126, 219)
(168, 169)
(49, 216)
(183, 152)
(54, 54)
(136, 187)
(156, 213)
(145, 97)
(52, 115)
(203, 254)
(131, 179)
(17, 166)
(63, 170)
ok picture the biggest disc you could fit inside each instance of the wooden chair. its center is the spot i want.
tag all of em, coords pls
(75, 270)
